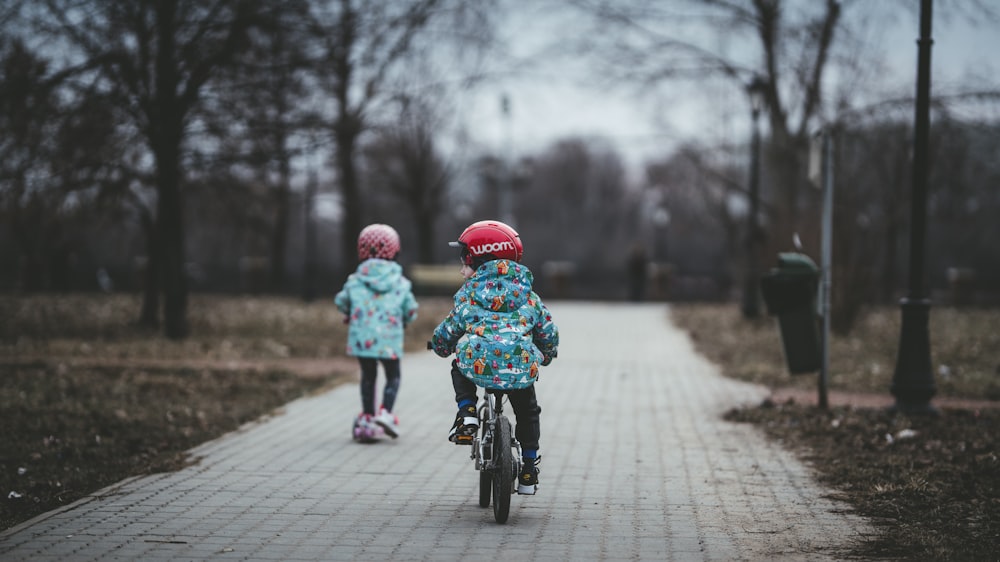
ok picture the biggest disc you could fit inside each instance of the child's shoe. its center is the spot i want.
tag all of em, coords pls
(466, 424)
(388, 422)
(365, 430)
(527, 480)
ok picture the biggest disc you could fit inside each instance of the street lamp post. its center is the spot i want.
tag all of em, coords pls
(506, 168)
(751, 302)
(913, 380)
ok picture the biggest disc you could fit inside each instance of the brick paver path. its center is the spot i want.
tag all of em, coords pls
(638, 465)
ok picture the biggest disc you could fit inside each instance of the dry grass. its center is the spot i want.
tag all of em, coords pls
(964, 344)
(931, 484)
(222, 328)
(88, 399)
(71, 431)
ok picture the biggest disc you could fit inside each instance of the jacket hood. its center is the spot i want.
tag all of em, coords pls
(379, 275)
(499, 286)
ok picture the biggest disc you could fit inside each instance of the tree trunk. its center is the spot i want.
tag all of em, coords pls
(167, 126)
(783, 181)
(171, 231)
(150, 315)
(346, 138)
(279, 237)
(282, 194)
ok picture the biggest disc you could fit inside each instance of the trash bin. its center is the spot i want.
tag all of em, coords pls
(789, 292)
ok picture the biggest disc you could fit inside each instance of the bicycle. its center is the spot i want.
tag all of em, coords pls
(498, 466)
(497, 456)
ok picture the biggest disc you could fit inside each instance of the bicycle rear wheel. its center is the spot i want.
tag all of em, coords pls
(503, 475)
(485, 450)
(485, 487)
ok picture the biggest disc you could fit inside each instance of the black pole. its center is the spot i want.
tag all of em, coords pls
(751, 302)
(913, 380)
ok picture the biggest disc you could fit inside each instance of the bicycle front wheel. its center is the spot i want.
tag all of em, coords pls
(503, 475)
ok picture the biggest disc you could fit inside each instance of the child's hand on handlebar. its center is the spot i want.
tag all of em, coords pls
(438, 351)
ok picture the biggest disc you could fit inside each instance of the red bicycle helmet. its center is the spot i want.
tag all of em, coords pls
(489, 238)
(378, 241)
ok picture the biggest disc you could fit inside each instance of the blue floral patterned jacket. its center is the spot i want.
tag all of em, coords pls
(498, 329)
(379, 303)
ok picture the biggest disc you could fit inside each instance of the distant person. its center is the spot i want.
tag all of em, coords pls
(638, 267)
(104, 280)
(500, 333)
(379, 303)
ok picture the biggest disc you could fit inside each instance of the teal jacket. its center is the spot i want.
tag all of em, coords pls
(379, 303)
(498, 329)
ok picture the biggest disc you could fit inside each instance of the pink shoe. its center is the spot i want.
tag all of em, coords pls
(365, 430)
(388, 422)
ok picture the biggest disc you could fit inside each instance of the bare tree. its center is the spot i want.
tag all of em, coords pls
(404, 160)
(364, 47)
(262, 111)
(574, 204)
(701, 192)
(28, 108)
(157, 56)
(55, 147)
(790, 45)
(872, 201)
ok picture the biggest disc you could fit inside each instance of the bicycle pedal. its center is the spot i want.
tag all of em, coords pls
(463, 439)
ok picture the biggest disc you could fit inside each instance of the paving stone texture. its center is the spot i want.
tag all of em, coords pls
(637, 465)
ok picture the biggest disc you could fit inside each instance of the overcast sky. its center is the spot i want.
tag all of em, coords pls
(548, 104)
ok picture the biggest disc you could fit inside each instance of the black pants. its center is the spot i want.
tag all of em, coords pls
(526, 408)
(369, 371)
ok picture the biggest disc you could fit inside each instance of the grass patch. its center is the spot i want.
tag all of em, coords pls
(140, 402)
(222, 328)
(930, 484)
(964, 344)
(69, 432)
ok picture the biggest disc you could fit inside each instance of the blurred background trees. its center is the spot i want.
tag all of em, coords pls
(162, 146)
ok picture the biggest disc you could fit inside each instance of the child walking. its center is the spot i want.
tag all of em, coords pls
(379, 303)
(500, 333)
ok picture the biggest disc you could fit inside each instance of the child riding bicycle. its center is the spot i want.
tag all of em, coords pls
(500, 333)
